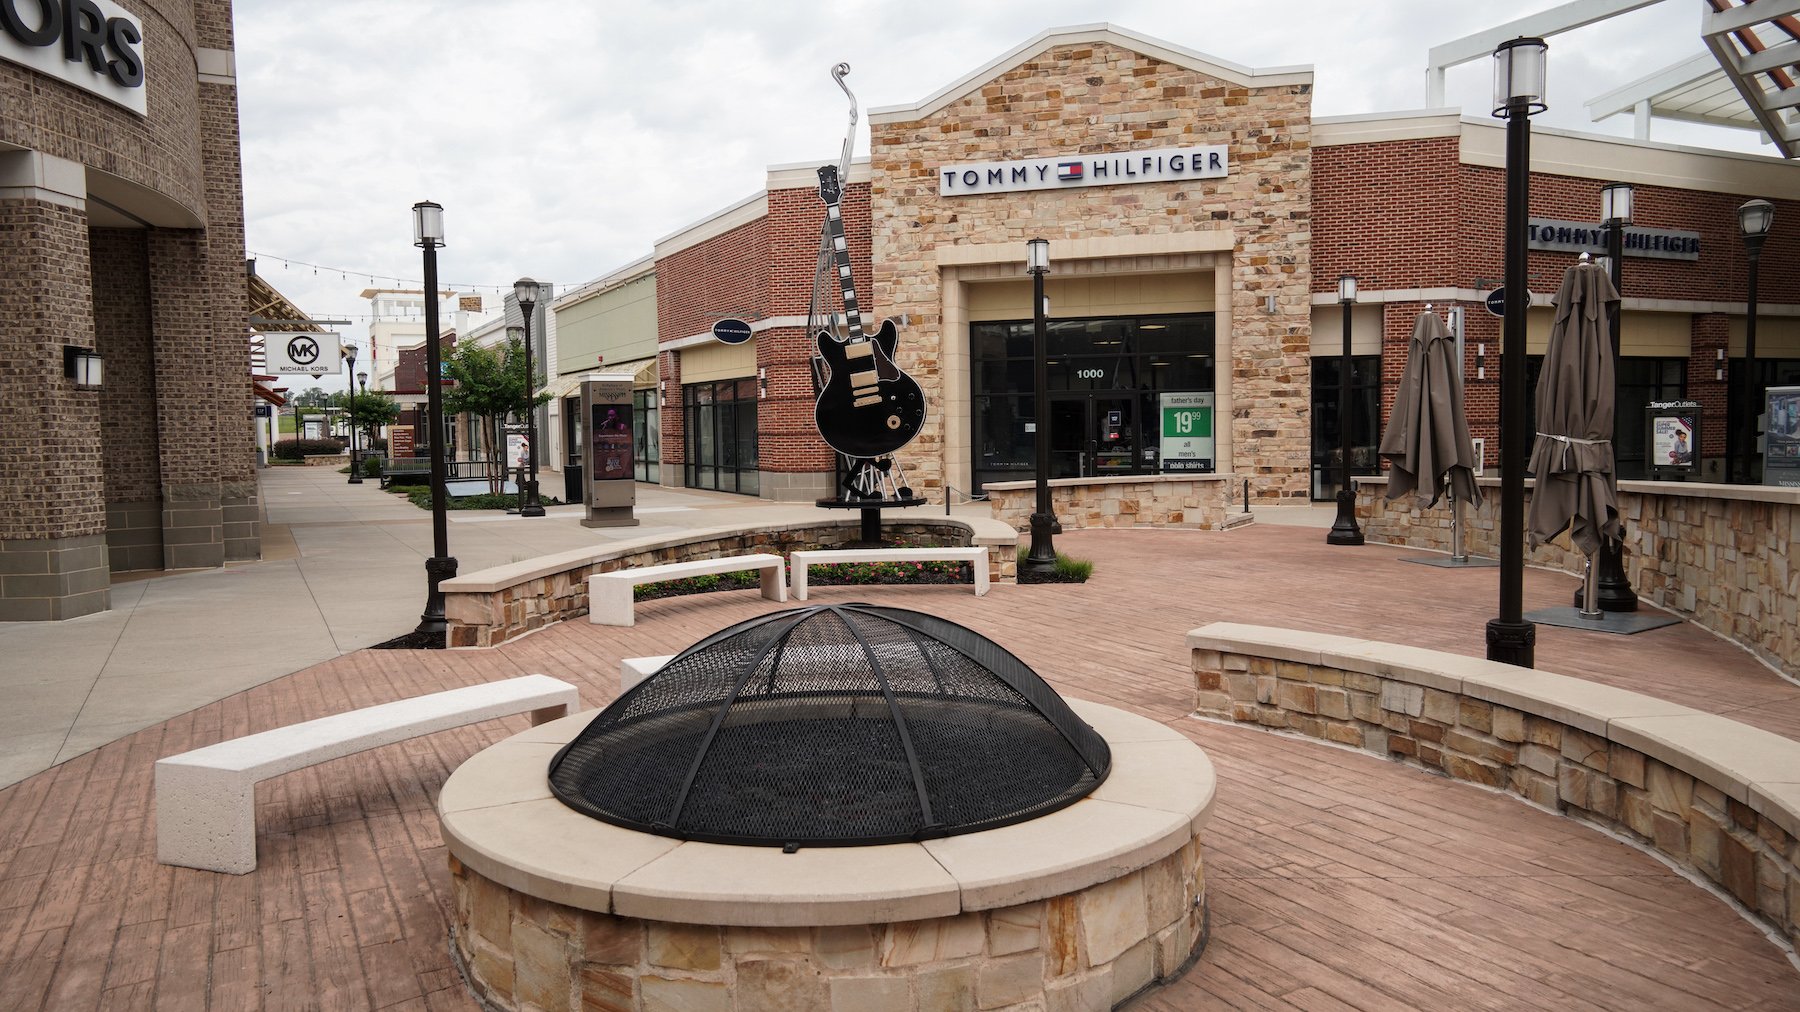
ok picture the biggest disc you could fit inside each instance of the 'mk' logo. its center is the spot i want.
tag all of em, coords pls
(1068, 170)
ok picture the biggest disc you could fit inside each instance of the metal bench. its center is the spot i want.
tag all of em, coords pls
(977, 557)
(206, 799)
(610, 597)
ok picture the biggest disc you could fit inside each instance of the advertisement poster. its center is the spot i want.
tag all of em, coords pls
(517, 453)
(612, 442)
(1781, 459)
(1187, 432)
(1674, 437)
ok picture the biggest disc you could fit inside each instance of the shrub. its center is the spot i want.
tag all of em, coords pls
(1068, 569)
(421, 497)
(371, 467)
(300, 449)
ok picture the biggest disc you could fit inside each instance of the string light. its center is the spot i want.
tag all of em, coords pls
(344, 274)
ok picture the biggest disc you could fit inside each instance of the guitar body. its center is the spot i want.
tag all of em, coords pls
(868, 408)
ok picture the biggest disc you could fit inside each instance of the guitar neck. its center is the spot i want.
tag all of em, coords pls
(840, 250)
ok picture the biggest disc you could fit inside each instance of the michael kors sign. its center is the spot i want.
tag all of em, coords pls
(1060, 172)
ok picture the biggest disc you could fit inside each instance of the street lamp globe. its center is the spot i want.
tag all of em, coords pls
(1519, 70)
(526, 291)
(1615, 203)
(1755, 217)
(428, 224)
(1347, 288)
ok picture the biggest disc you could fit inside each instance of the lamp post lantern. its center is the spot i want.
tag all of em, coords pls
(349, 372)
(1344, 530)
(362, 381)
(526, 291)
(1518, 94)
(1754, 219)
(428, 235)
(1612, 587)
(1042, 558)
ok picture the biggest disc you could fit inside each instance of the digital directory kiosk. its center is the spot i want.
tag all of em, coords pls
(611, 484)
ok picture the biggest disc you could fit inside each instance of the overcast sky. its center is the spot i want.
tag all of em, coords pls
(564, 139)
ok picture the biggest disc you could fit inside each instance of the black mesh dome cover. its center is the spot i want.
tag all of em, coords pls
(832, 725)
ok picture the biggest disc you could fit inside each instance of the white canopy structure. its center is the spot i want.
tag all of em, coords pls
(1744, 78)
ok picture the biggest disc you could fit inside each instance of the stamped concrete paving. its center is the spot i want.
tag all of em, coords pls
(1337, 880)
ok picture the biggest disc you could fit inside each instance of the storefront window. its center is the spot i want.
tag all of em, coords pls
(1107, 378)
(1365, 412)
(721, 436)
(647, 434)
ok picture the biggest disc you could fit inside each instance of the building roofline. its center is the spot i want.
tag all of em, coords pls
(644, 266)
(1102, 32)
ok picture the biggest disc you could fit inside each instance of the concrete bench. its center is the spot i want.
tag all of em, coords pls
(975, 556)
(610, 600)
(206, 799)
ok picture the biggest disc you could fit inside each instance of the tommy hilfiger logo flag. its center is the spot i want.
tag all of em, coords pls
(1068, 170)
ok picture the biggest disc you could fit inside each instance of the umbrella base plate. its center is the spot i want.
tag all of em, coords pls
(1620, 623)
(1446, 562)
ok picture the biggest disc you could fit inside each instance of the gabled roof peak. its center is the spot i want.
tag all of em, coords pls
(1101, 33)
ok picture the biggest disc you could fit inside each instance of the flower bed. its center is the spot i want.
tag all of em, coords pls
(843, 574)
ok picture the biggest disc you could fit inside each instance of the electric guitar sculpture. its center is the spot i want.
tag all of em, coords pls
(869, 408)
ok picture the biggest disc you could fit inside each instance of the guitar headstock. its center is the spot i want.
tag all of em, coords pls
(829, 189)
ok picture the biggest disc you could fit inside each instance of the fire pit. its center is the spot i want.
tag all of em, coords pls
(935, 823)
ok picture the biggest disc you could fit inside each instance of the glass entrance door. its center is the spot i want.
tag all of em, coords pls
(1093, 434)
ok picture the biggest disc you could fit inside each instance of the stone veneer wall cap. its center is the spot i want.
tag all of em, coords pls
(1729, 755)
(1099, 33)
(1779, 802)
(1297, 645)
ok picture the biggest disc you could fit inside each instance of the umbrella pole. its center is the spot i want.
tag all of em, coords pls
(1457, 552)
(1590, 600)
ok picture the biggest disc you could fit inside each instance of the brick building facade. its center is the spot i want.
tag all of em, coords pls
(122, 231)
(1241, 263)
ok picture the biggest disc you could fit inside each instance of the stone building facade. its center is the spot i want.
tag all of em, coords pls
(122, 232)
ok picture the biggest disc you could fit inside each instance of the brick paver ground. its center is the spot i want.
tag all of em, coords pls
(1337, 880)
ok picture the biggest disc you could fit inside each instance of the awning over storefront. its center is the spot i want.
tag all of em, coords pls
(644, 376)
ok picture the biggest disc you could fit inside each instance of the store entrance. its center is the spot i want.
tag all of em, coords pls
(1094, 434)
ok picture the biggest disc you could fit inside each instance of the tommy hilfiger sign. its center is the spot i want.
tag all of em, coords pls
(1069, 171)
(1582, 237)
(95, 45)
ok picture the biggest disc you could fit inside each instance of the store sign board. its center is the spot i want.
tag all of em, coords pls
(1781, 434)
(298, 354)
(400, 441)
(94, 45)
(1066, 172)
(1584, 237)
(1187, 432)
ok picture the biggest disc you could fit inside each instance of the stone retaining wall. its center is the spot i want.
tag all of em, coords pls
(1089, 949)
(489, 607)
(1200, 502)
(1718, 798)
(1717, 554)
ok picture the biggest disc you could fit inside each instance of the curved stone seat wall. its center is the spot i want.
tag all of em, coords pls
(1716, 797)
(1195, 501)
(490, 606)
(1717, 554)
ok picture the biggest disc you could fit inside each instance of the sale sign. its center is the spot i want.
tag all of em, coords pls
(1187, 431)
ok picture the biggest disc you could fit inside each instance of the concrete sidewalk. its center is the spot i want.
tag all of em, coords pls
(342, 568)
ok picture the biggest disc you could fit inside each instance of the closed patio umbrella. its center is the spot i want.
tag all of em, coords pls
(1427, 442)
(1572, 457)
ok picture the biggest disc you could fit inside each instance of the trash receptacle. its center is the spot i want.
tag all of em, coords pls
(572, 484)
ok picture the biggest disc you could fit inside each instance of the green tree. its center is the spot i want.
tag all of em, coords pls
(314, 397)
(371, 411)
(490, 384)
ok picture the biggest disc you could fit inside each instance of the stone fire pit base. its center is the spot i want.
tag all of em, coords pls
(1079, 909)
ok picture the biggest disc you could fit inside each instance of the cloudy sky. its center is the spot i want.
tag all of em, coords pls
(564, 139)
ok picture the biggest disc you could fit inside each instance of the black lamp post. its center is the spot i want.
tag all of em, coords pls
(428, 234)
(526, 291)
(349, 372)
(362, 381)
(1518, 94)
(1042, 558)
(1612, 587)
(1344, 531)
(1754, 219)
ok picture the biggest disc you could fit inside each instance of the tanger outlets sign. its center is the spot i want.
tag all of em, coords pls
(1070, 171)
(95, 45)
(1581, 237)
